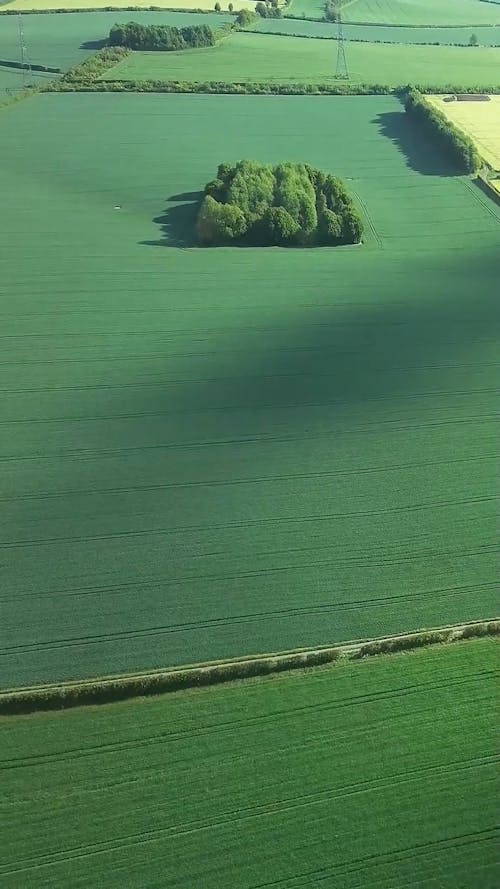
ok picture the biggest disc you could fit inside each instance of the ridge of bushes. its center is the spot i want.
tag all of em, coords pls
(65, 10)
(286, 205)
(457, 145)
(85, 78)
(106, 691)
(88, 71)
(80, 82)
(160, 38)
(23, 66)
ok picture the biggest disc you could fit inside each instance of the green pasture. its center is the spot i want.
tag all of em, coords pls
(486, 35)
(406, 12)
(375, 774)
(418, 12)
(11, 82)
(255, 57)
(207, 453)
(66, 39)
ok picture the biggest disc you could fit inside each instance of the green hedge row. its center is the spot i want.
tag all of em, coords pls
(430, 637)
(364, 39)
(5, 63)
(73, 83)
(459, 147)
(108, 691)
(109, 9)
(92, 67)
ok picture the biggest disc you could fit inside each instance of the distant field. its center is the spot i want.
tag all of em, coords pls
(375, 774)
(481, 120)
(419, 12)
(247, 56)
(207, 453)
(23, 5)
(64, 40)
(487, 35)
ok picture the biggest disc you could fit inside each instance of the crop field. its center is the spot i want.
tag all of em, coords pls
(420, 12)
(486, 35)
(23, 5)
(203, 456)
(249, 56)
(480, 120)
(291, 767)
(64, 40)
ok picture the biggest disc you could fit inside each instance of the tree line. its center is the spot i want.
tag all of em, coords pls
(285, 205)
(160, 37)
(457, 145)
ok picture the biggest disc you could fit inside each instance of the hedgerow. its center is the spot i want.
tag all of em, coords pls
(23, 66)
(459, 147)
(91, 69)
(105, 691)
(65, 10)
(78, 81)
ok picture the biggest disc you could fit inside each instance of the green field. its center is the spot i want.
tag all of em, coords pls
(419, 12)
(377, 774)
(204, 455)
(407, 12)
(246, 57)
(64, 40)
(486, 35)
(23, 5)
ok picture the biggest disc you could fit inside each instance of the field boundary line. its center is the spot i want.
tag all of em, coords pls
(110, 689)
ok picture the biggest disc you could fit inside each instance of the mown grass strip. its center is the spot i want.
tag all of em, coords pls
(120, 688)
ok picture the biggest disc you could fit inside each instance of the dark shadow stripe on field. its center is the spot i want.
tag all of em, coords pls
(419, 149)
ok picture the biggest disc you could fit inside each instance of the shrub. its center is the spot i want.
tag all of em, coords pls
(279, 226)
(216, 189)
(219, 223)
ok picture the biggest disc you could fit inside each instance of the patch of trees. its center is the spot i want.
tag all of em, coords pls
(245, 18)
(160, 38)
(457, 145)
(286, 205)
(332, 9)
(268, 9)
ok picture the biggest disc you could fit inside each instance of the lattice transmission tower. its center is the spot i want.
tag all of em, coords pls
(341, 70)
(25, 59)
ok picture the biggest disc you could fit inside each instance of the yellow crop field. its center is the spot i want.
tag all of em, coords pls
(480, 120)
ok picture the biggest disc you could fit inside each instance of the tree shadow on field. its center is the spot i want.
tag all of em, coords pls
(94, 44)
(178, 221)
(420, 151)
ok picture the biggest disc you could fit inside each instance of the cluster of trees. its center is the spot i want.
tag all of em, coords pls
(268, 9)
(459, 148)
(287, 205)
(160, 37)
(332, 9)
(245, 17)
